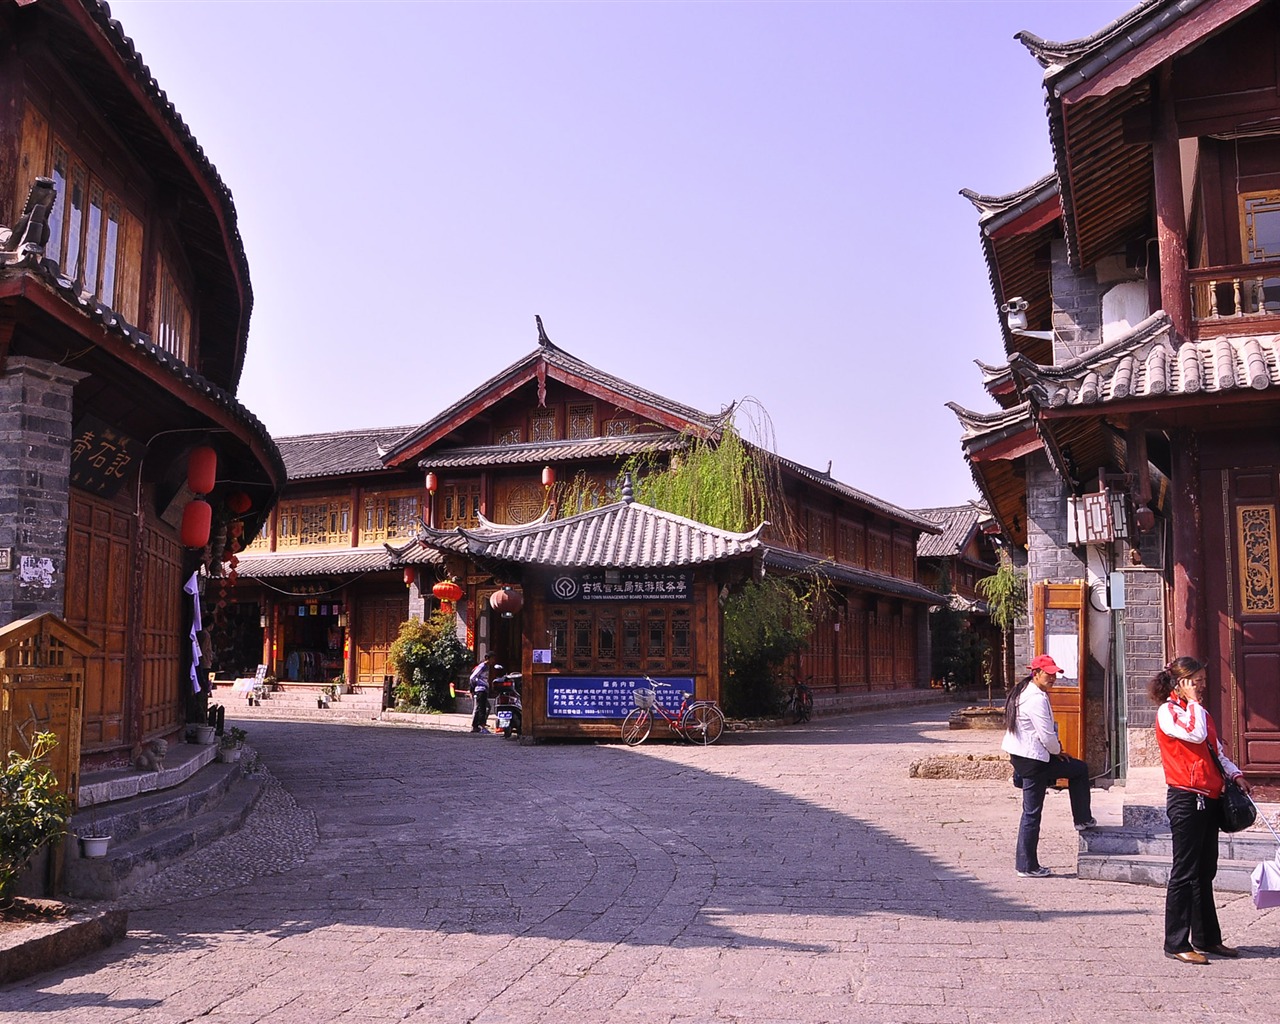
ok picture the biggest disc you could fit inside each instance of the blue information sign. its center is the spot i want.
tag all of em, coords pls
(608, 697)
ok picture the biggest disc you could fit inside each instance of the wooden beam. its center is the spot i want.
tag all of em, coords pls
(1171, 220)
(1188, 548)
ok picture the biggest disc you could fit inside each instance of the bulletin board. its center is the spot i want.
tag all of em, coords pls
(1058, 612)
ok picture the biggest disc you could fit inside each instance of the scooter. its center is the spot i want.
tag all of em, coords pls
(508, 712)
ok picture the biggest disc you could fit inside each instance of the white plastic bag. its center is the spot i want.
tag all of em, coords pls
(1266, 883)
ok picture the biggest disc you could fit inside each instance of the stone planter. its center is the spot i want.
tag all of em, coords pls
(229, 755)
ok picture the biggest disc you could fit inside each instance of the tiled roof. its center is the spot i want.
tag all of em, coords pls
(557, 359)
(338, 452)
(784, 560)
(340, 562)
(992, 425)
(828, 482)
(958, 523)
(1146, 364)
(1109, 41)
(554, 451)
(625, 534)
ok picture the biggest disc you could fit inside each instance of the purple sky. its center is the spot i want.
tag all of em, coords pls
(712, 200)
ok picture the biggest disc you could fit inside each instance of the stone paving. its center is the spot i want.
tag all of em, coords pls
(423, 875)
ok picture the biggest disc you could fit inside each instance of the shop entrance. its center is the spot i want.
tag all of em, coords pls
(310, 642)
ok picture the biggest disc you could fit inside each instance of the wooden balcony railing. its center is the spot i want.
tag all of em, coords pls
(1235, 292)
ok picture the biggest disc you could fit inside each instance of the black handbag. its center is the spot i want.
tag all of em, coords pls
(1236, 811)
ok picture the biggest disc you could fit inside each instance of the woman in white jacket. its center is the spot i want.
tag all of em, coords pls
(1031, 741)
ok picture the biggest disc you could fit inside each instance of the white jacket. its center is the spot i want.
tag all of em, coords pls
(1034, 734)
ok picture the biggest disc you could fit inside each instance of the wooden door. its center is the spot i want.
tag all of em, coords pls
(1242, 570)
(99, 546)
(1059, 630)
(377, 623)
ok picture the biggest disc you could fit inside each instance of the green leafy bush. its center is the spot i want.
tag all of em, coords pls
(765, 623)
(34, 810)
(427, 658)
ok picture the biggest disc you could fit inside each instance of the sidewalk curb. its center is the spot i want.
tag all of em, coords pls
(41, 947)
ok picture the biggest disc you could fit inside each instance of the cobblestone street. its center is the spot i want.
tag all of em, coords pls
(798, 875)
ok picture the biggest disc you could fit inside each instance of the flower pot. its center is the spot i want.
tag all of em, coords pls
(228, 754)
(94, 846)
(204, 734)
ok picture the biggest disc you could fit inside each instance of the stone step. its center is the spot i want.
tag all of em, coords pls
(154, 819)
(1152, 869)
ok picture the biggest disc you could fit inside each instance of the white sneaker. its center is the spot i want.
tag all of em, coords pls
(1037, 873)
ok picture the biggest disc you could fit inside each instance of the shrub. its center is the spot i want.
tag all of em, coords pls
(426, 658)
(34, 810)
(765, 623)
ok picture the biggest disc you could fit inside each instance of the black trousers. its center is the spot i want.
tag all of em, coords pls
(482, 710)
(1190, 918)
(1037, 776)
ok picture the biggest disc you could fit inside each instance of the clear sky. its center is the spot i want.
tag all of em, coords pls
(711, 200)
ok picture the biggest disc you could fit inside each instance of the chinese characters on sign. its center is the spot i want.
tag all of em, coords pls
(598, 697)
(101, 457)
(622, 585)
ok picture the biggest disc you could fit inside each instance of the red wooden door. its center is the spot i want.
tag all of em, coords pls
(1242, 571)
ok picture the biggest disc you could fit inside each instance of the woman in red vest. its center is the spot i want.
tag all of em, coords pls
(1188, 739)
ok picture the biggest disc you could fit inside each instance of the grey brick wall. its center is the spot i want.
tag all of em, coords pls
(1144, 656)
(35, 453)
(1077, 308)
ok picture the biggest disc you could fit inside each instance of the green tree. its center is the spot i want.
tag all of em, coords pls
(427, 657)
(34, 810)
(765, 623)
(1006, 595)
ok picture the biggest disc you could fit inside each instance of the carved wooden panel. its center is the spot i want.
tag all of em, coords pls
(1259, 594)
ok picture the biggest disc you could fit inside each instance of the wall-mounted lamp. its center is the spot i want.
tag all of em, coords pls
(342, 620)
(262, 621)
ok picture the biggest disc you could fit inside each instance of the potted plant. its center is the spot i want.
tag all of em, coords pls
(95, 840)
(34, 810)
(231, 745)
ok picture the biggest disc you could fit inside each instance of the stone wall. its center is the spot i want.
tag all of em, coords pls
(35, 485)
(1144, 656)
(1077, 308)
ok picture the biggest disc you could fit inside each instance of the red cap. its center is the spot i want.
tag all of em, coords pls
(1045, 663)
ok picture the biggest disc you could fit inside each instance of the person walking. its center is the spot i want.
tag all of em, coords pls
(1188, 741)
(481, 678)
(1031, 741)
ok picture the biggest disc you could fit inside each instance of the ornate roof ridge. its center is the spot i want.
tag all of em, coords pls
(1051, 55)
(975, 423)
(989, 206)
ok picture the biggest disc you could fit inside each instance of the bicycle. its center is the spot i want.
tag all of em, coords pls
(698, 721)
(799, 703)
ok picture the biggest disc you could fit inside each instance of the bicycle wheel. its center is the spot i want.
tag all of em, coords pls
(636, 726)
(804, 708)
(702, 723)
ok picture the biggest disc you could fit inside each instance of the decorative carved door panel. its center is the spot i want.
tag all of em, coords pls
(378, 619)
(1242, 569)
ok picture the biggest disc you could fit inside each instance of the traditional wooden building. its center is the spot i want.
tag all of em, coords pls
(124, 312)
(339, 565)
(1135, 458)
(952, 563)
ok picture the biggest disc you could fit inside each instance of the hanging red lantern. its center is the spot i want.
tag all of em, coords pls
(447, 590)
(239, 503)
(506, 602)
(433, 482)
(548, 476)
(197, 517)
(410, 575)
(235, 529)
(202, 469)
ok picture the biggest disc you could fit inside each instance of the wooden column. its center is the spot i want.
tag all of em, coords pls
(1171, 220)
(1188, 548)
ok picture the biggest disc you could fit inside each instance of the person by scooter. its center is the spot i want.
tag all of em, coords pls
(481, 676)
(507, 710)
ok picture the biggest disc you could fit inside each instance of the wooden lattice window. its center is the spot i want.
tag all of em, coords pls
(558, 630)
(542, 425)
(390, 517)
(171, 330)
(513, 435)
(525, 502)
(904, 559)
(878, 553)
(458, 504)
(582, 422)
(821, 534)
(314, 524)
(851, 544)
(620, 426)
(646, 637)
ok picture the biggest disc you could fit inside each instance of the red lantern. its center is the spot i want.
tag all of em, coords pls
(235, 529)
(432, 483)
(239, 503)
(506, 602)
(202, 468)
(548, 476)
(447, 590)
(197, 517)
(410, 574)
